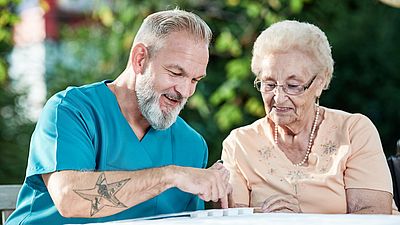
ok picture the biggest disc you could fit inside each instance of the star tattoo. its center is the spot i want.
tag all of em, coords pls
(102, 194)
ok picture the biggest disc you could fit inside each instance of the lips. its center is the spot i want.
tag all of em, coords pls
(282, 109)
(171, 100)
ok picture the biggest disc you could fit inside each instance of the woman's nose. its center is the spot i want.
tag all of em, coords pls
(278, 90)
(279, 94)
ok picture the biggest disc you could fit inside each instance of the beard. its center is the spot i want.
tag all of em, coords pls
(149, 103)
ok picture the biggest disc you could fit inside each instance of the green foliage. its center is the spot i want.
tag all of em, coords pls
(7, 19)
(15, 130)
(363, 35)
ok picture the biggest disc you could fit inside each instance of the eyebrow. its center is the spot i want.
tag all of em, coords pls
(291, 77)
(182, 70)
(294, 77)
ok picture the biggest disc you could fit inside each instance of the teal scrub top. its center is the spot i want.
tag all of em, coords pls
(82, 128)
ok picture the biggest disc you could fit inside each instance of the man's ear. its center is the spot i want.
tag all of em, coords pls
(139, 58)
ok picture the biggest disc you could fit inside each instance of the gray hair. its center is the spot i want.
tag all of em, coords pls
(288, 34)
(157, 26)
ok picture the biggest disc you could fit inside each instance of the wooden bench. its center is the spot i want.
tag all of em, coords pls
(8, 198)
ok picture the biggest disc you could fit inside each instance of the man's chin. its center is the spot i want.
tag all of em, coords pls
(165, 124)
(172, 113)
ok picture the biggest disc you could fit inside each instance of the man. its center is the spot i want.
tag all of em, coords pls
(118, 150)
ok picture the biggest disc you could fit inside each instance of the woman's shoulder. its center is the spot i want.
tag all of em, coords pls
(246, 139)
(345, 118)
(251, 130)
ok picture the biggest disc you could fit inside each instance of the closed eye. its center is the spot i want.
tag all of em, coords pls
(293, 85)
(174, 74)
(270, 85)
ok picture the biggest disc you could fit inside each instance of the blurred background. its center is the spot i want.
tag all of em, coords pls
(47, 45)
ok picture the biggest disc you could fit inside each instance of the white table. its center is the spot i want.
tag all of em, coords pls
(269, 219)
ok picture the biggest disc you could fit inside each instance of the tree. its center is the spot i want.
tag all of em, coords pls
(15, 130)
(364, 37)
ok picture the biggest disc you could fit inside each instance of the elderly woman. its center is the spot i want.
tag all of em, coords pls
(302, 157)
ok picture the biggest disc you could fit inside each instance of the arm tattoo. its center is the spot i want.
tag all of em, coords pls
(102, 194)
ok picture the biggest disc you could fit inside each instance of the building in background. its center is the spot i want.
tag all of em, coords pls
(27, 60)
(38, 47)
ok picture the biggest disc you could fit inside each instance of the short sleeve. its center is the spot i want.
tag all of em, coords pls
(240, 191)
(366, 167)
(194, 204)
(61, 140)
(205, 157)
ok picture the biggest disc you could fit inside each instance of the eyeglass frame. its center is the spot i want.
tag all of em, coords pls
(284, 86)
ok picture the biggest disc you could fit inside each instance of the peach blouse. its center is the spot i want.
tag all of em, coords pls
(347, 153)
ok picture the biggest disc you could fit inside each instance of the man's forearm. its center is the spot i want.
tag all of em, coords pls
(99, 194)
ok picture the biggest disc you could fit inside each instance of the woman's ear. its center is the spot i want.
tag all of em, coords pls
(139, 58)
(320, 88)
(321, 81)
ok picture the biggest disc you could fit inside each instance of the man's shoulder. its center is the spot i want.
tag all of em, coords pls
(76, 96)
(78, 91)
(78, 101)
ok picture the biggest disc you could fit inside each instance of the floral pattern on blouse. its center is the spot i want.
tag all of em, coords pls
(320, 163)
(329, 148)
(265, 153)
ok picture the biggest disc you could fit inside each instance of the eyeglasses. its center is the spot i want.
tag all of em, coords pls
(290, 89)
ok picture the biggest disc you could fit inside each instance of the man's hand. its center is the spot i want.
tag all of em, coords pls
(224, 201)
(281, 203)
(210, 184)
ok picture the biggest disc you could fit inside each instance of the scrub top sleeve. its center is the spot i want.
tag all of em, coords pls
(205, 158)
(195, 203)
(61, 141)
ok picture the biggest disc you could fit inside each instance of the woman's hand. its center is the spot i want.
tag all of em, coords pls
(281, 203)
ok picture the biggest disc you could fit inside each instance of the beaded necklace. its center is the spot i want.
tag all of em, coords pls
(310, 140)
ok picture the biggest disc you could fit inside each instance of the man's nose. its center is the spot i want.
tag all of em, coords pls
(186, 88)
